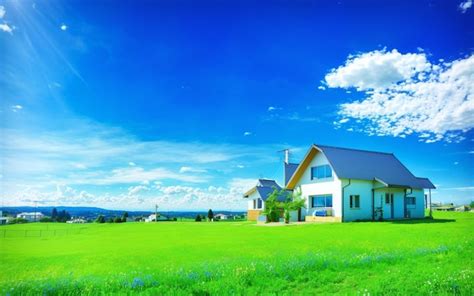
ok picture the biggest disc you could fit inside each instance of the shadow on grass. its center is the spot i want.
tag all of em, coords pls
(422, 221)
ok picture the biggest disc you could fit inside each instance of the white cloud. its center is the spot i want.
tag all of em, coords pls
(376, 69)
(456, 163)
(464, 6)
(271, 108)
(131, 163)
(134, 190)
(405, 94)
(240, 166)
(80, 166)
(186, 169)
(247, 133)
(344, 120)
(16, 108)
(321, 87)
(6, 28)
(63, 27)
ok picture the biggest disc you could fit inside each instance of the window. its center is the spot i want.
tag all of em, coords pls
(254, 203)
(354, 201)
(321, 201)
(411, 200)
(321, 172)
(259, 203)
(388, 198)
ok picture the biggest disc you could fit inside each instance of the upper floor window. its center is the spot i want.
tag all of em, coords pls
(321, 201)
(321, 172)
(411, 200)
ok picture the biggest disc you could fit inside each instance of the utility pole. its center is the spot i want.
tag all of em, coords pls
(156, 213)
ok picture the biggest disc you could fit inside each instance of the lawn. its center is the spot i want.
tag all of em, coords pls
(174, 258)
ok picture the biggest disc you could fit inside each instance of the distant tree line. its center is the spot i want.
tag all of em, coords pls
(57, 216)
(101, 219)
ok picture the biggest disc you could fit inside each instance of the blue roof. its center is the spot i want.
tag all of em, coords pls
(290, 169)
(265, 188)
(370, 165)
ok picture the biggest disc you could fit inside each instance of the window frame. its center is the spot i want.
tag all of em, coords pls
(325, 197)
(411, 198)
(325, 169)
(352, 201)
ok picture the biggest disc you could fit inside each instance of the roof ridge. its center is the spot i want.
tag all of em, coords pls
(353, 149)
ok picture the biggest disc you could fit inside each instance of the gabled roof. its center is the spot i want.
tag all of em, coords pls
(264, 188)
(363, 165)
(290, 169)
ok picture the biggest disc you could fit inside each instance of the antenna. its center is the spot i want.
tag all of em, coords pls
(287, 154)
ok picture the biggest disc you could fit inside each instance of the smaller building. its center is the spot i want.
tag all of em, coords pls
(152, 218)
(3, 220)
(76, 221)
(30, 217)
(221, 217)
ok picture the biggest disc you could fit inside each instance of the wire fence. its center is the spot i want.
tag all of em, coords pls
(12, 233)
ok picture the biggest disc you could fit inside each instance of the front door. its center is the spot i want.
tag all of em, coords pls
(388, 206)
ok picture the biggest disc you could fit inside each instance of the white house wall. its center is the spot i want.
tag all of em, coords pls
(253, 197)
(319, 187)
(418, 210)
(363, 188)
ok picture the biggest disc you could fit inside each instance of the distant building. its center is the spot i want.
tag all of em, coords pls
(462, 209)
(76, 221)
(3, 220)
(221, 217)
(153, 218)
(31, 217)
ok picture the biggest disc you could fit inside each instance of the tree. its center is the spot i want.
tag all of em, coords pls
(124, 217)
(198, 218)
(472, 204)
(100, 219)
(210, 215)
(111, 220)
(273, 206)
(293, 202)
(117, 220)
(54, 214)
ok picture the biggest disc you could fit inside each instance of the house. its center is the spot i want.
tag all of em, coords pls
(76, 221)
(31, 217)
(342, 185)
(221, 217)
(152, 218)
(258, 195)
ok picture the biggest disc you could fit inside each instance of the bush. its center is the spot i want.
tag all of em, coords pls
(198, 218)
(46, 219)
(117, 220)
(18, 221)
(100, 219)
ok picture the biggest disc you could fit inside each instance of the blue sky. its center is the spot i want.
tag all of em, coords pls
(185, 104)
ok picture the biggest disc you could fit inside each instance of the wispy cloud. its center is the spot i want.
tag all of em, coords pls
(406, 94)
(187, 169)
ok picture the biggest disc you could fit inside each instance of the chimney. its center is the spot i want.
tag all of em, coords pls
(287, 156)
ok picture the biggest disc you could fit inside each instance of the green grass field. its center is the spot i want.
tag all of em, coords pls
(182, 258)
